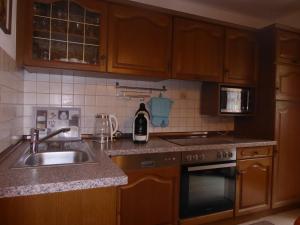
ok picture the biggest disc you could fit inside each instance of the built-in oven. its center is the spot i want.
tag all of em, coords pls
(208, 180)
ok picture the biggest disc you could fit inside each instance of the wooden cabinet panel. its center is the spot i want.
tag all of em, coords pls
(254, 152)
(150, 198)
(58, 38)
(253, 185)
(139, 41)
(286, 161)
(198, 50)
(240, 57)
(86, 207)
(288, 82)
(288, 47)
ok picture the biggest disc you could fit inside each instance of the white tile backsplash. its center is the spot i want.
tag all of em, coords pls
(98, 95)
(11, 99)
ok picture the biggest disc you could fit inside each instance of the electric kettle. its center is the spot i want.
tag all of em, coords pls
(106, 125)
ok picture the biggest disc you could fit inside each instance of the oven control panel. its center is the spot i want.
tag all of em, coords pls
(206, 156)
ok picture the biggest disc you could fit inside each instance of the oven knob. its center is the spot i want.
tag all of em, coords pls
(195, 157)
(225, 155)
(230, 155)
(219, 155)
(201, 156)
(189, 158)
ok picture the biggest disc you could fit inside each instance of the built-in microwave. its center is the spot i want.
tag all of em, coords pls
(222, 99)
(236, 100)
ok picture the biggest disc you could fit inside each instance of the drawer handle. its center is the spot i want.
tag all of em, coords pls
(256, 153)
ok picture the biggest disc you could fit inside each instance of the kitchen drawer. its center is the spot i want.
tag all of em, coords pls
(254, 152)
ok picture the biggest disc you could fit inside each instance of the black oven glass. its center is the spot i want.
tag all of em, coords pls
(206, 191)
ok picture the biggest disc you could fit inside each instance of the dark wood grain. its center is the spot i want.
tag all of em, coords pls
(253, 187)
(241, 52)
(86, 207)
(150, 197)
(139, 42)
(198, 50)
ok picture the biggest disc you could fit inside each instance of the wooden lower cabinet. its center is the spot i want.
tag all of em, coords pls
(286, 161)
(150, 197)
(86, 207)
(253, 187)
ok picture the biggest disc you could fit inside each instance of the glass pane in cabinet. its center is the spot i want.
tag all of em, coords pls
(59, 30)
(76, 31)
(75, 53)
(40, 49)
(41, 27)
(92, 18)
(92, 34)
(76, 12)
(91, 54)
(41, 9)
(59, 51)
(60, 10)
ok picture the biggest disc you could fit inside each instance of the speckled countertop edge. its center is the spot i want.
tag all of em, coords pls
(106, 173)
(62, 186)
(176, 148)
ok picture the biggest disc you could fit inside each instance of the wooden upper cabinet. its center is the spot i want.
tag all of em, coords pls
(288, 47)
(64, 34)
(254, 182)
(198, 50)
(286, 187)
(240, 57)
(150, 197)
(139, 42)
(288, 82)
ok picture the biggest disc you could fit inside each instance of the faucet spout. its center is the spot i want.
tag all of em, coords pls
(34, 140)
(62, 130)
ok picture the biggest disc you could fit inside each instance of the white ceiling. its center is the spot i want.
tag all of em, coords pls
(264, 9)
(252, 13)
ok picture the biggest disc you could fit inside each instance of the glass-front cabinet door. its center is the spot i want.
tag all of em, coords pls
(68, 34)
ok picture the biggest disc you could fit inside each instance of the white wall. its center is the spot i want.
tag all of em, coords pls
(198, 8)
(8, 42)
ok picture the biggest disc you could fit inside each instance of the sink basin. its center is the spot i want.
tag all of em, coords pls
(56, 158)
(71, 153)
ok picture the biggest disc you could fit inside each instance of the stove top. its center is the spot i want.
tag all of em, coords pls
(205, 156)
(198, 141)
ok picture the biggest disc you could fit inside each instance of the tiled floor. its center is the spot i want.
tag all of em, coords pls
(286, 218)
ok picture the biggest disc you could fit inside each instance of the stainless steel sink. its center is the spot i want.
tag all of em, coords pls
(57, 156)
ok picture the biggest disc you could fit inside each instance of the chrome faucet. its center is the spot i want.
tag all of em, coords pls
(35, 141)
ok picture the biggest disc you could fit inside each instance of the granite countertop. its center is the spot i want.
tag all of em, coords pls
(102, 173)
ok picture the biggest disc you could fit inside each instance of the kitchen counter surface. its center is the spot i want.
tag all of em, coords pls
(102, 173)
(49, 179)
(158, 145)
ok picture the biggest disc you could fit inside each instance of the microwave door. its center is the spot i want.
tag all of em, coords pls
(245, 107)
(231, 100)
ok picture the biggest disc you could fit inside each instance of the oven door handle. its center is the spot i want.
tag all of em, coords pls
(209, 167)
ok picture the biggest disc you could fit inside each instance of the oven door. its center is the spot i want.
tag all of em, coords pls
(207, 189)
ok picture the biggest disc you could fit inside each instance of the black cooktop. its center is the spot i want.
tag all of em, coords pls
(189, 141)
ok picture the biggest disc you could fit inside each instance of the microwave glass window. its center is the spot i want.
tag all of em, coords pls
(236, 100)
